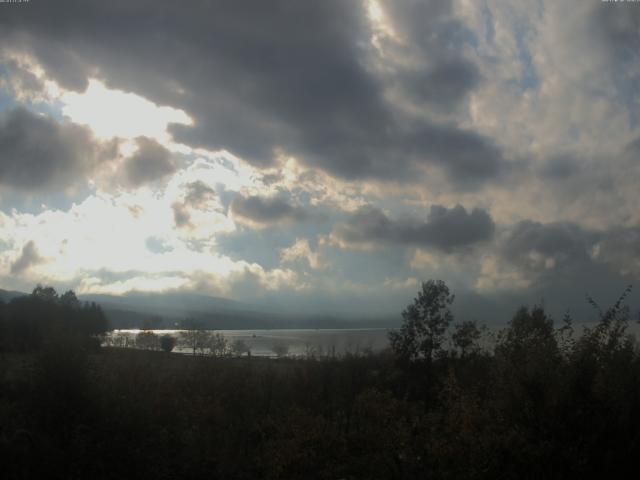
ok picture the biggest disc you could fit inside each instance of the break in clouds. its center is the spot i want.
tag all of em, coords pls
(317, 152)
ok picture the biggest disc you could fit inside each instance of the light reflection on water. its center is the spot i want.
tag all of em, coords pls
(298, 342)
(319, 342)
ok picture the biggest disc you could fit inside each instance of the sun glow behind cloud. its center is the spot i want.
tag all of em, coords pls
(509, 110)
(114, 113)
(85, 243)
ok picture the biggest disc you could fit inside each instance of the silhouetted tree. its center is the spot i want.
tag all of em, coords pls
(195, 337)
(147, 340)
(281, 349)
(239, 347)
(425, 322)
(69, 299)
(167, 343)
(218, 345)
(529, 333)
(31, 320)
(466, 337)
(47, 294)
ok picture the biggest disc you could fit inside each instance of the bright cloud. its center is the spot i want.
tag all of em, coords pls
(114, 113)
(492, 144)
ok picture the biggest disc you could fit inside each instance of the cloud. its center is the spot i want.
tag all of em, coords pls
(536, 246)
(198, 194)
(17, 81)
(444, 85)
(445, 229)
(262, 211)
(28, 258)
(157, 245)
(618, 28)
(620, 248)
(151, 162)
(427, 52)
(181, 215)
(531, 111)
(300, 250)
(561, 255)
(322, 92)
(37, 153)
(198, 207)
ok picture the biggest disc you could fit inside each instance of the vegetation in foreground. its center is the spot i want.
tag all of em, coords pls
(542, 402)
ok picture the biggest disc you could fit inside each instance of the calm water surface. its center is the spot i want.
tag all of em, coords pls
(297, 342)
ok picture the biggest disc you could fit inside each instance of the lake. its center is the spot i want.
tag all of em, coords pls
(296, 342)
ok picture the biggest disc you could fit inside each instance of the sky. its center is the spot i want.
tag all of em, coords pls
(323, 156)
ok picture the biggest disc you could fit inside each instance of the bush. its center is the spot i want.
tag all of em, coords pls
(167, 343)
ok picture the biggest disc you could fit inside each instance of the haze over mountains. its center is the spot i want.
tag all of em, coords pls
(168, 310)
(7, 295)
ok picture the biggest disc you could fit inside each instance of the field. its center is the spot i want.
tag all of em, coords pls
(521, 411)
(539, 401)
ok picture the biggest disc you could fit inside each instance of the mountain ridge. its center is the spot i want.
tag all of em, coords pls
(170, 309)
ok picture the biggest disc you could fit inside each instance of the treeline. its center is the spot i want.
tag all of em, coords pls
(28, 322)
(540, 401)
(193, 339)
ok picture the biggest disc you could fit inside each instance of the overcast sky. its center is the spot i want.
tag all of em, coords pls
(323, 155)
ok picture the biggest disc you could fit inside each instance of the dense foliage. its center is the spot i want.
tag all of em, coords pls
(28, 322)
(540, 401)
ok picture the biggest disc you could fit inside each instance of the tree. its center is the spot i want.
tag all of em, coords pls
(466, 337)
(147, 340)
(203, 341)
(530, 334)
(194, 336)
(32, 320)
(425, 323)
(46, 294)
(239, 347)
(281, 349)
(70, 300)
(218, 344)
(167, 343)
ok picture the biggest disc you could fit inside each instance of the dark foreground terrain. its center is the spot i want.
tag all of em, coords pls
(127, 414)
(539, 402)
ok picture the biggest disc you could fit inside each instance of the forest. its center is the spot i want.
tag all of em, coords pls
(540, 399)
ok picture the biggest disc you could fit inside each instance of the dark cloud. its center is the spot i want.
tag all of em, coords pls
(467, 157)
(445, 229)
(37, 153)
(149, 163)
(618, 26)
(567, 247)
(615, 29)
(181, 215)
(632, 150)
(198, 193)
(313, 92)
(17, 81)
(536, 246)
(443, 86)
(455, 227)
(266, 211)
(591, 188)
(564, 261)
(27, 258)
(620, 248)
(435, 71)
(561, 168)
